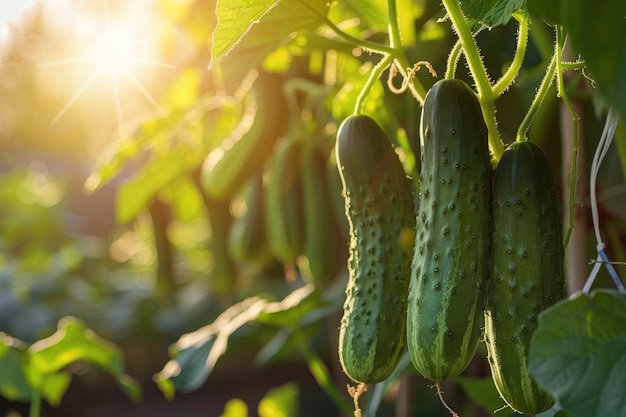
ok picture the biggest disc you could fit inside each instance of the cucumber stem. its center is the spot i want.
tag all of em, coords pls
(35, 404)
(542, 92)
(560, 43)
(522, 41)
(472, 54)
(374, 76)
(395, 40)
(486, 94)
(453, 60)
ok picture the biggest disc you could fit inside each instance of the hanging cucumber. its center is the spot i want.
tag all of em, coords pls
(379, 207)
(247, 237)
(526, 270)
(283, 201)
(230, 165)
(450, 263)
(318, 262)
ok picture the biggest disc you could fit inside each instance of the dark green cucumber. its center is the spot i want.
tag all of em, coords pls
(247, 237)
(318, 262)
(379, 207)
(450, 262)
(526, 270)
(283, 201)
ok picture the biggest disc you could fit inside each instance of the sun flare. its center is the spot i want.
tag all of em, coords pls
(114, 51)
(114, 54)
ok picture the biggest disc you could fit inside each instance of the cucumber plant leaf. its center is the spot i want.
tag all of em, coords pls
(598, 32)
(259, 26)
(13, 356)
(578, 353)
(491, 13)
(73, 341)
(195, 354)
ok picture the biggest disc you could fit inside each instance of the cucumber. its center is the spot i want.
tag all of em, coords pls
(247, 237)
(231, 164)
(526, 270)
(283, 201)
(450, 262)
(318, 263)
(380, 211)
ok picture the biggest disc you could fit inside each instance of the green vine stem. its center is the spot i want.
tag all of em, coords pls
(375, 74)
(35, 404)
(392, 52)
(472, 54)
(560, 42)
(522, 41)
(366, 45)
(538, 100)
(453, 60)
(395, 40)
(321, 374)
(479, 74)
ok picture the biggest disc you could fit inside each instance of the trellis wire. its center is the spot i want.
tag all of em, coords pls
(604, 144)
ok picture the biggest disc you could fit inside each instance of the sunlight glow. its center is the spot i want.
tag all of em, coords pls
(114, 51)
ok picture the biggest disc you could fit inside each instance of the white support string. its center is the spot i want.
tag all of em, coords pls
(604, 144)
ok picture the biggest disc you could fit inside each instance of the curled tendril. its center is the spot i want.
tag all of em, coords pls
(355, 393)
(410, 73)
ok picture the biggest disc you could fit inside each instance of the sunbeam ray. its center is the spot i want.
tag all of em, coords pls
(65, 61)
(146, 94)
(111, 57)
(75, 97)
(118, 104)
(154, 63)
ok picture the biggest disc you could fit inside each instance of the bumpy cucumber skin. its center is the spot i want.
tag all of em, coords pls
(450, 263)
(526, 270)
(380, 210)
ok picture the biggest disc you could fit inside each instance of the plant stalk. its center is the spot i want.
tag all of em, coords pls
(479, 74)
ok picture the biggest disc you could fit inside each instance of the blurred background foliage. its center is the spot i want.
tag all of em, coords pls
(105, 209)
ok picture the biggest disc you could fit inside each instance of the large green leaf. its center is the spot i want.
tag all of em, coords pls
(492, 12)
(195, 354)
(234, 20)
(72, 342)
(135, 192)
(13, 356)
(290, 311)
(578, 353)
(597, 30)
(253, 29)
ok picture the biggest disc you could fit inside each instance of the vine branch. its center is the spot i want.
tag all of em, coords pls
(477, 68)
(522, 41)
(560, 43)
(538, 100)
